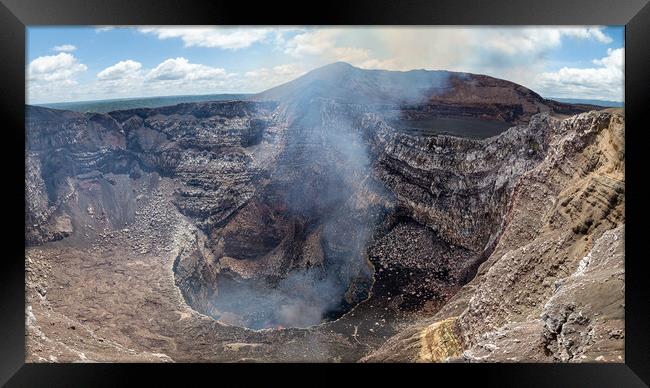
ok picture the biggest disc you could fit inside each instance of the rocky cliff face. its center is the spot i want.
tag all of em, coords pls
(206, 147)
(315, 216)
(552, 290)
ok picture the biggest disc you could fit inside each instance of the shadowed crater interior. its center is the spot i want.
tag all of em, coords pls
(274, 266)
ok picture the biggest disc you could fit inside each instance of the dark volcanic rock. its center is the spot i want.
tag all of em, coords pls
(198, 144)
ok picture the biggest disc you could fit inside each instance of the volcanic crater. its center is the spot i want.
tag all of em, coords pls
(347, 215)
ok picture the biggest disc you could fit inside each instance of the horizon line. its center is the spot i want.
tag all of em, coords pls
(248, 94)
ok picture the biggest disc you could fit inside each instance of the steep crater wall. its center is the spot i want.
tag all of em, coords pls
(361, 212)
(299, 217)
(552, 288)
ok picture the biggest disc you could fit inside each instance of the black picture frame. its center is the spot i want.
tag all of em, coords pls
(15, 15)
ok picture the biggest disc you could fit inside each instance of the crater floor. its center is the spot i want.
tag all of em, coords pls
(115, 299)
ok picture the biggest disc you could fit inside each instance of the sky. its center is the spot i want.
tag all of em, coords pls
(103, 62)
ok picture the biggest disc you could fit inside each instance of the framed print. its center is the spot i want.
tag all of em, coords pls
(457, 186)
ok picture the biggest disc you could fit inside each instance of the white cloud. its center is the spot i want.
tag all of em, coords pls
(315, 42)
(516, 41)
(181, 69)
(122, 69)
(224, 38)
(104, 29)
(53, 77)
(602, 82)
(595, 33)
(513, 42)
(60, 67)
(451, 48)
(323, 46)
(286, 69)
(64, 48)
(263, 78)
(614, 59)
